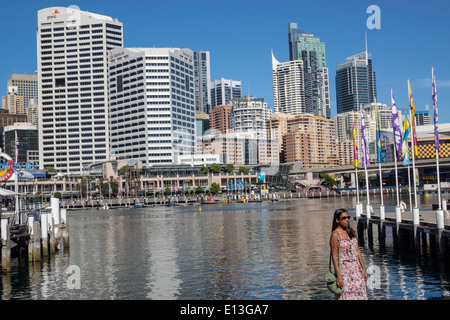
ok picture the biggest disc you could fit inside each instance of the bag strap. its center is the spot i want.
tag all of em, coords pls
(339, 258)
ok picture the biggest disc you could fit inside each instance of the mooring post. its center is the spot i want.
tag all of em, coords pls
(6, 246)
(65, 231)
(44, 233)
(440, 227)
(36, 241)
(56, 215)
(30, 222)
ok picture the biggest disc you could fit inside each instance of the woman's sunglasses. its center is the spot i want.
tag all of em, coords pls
(346, 217)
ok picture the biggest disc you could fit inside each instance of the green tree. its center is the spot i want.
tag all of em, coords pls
(229, 167)
(204, 170)
(167, 191)
(243, 169)
(50, 169)
(122, 171)
(57, 194)
(199, 189)
(215, 188)
(329, 181)
(216, 168)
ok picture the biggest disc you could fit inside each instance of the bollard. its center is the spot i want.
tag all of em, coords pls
(358, 209)
(30, 222)
(382, 213)
(368, 210)
(44, 233)
(56, 215)
(6, 246)
(416, 216)
(398, 214)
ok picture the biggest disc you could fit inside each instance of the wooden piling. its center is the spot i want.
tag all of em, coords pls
(44, 233)
(30, 221)
(36, 241)
(6, 246)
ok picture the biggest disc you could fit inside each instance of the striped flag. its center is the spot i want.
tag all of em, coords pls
(365, 146)
(397, 129)
(405, 148)
(413, 121)
(435, 107)
(355, 144)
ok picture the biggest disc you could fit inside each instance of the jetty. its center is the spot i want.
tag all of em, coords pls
(35, 234)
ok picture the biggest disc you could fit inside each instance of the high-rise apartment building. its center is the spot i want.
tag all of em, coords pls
(72, 48)
(202, 80)
(219, 118)
(310, 140)
(27, 86)
(13, 102)
(151, 104)
(422, 118)
(304, 46)
(355, 83)
(225, 90)
(250, 114)
(288, 86)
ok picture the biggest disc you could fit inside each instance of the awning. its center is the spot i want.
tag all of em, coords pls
(6, 193)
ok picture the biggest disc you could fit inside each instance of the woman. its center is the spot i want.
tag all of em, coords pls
(350, 271)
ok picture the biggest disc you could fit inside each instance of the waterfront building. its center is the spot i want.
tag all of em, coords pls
(13, 102)
(27, 86)
(202, 81)
(27, 135)
(288, 86)
(355, 83)
(225, 90)
(249, 114)
(304, 46)
(219, 118)
(240, 149)
(151, 104)
(73, 89)
(277, 126)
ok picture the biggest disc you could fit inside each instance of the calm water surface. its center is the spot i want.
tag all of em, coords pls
(270, 250)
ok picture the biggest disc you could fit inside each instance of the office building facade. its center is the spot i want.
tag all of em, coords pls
(27, 86)
(152, 104)
(72, 47)
(202, 81)
(355, 83)
(219, 118)
(225, 90)
(304, 46)
(13, 102)
(27, 134)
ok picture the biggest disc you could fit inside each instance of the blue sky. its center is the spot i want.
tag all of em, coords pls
(241, 34)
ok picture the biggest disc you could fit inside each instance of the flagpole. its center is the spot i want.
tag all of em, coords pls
(416, 208)
(379, 162)
(397, 137)
(356, 164)
(366, 160)
(436, 135)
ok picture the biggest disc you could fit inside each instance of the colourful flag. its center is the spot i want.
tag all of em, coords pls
(355, 144)
(380, 154)
(435, 107)
(405, 147)
(413, 121)
(365, 146)
(397, 129)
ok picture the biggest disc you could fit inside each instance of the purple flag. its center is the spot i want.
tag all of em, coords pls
(435, 107)
(365, 147)
(397, 130)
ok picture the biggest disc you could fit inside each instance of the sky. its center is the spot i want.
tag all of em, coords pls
(240, 35)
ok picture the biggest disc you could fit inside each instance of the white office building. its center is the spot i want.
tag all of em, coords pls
(152, 104)
(225, 90)
(250, 114)
(72, 48)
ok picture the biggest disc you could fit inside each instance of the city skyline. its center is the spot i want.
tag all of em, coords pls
(396, 48)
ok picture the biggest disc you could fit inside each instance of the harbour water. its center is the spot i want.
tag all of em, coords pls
(259, 251)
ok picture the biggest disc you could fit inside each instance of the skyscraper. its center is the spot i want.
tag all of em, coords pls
(250, 114)
(13, 102)
(27, 85)
(288, 86)
(72, 48)
(225, 90)
(151, 104)
(304, 46)
(355, 83)
(202, 80)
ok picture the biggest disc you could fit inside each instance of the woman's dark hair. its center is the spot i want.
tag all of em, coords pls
(336, 216)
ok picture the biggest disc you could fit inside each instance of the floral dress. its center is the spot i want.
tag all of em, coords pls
(354, 283)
